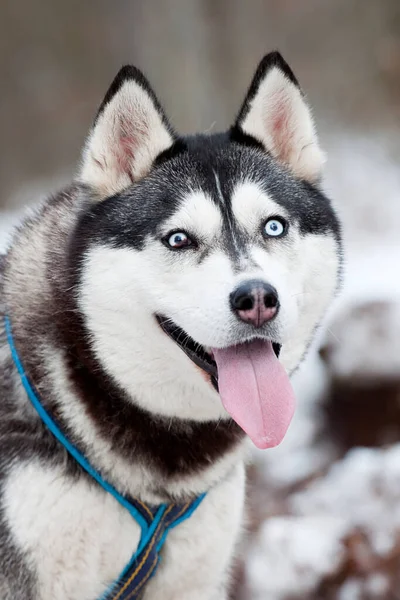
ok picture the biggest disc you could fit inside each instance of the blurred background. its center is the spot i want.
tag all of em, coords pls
(324, 507)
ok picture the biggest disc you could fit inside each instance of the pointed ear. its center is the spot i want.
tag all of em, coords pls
(276, 114)
(129, 132)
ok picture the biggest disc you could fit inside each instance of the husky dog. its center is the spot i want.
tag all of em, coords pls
(158, 305)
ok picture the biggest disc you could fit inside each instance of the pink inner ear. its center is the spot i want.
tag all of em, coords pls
(278, 123)
(125, 153)
(131, 134)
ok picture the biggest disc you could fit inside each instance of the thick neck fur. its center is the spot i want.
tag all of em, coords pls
(141, 454)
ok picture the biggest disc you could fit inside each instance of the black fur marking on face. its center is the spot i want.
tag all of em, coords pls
(235, 163)
(197, 163)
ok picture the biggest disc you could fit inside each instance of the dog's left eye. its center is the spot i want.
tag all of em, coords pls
(178, 240)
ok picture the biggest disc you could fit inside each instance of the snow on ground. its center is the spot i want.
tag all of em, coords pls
(362, 492)
(291, 554)
(359, 496)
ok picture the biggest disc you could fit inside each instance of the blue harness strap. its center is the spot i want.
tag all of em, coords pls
(142, 566)
(155, 521)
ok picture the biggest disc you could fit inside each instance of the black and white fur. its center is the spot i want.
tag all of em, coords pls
(82, 283)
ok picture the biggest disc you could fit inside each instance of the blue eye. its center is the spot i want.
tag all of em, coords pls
(178, 240)
(275, 227)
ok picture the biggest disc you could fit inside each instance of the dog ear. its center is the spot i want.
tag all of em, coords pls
(276, 114)
(129, 132)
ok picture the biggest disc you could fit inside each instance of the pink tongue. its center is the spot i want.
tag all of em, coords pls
(256, 391)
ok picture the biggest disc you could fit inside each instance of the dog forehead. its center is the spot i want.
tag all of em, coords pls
(198, 211)
(250, 203)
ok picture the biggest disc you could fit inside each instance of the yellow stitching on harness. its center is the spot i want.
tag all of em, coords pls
(146, 554)
(148, 511)
(182, 511)
(139, 585)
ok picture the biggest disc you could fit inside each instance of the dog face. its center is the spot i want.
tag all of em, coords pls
(200, 256)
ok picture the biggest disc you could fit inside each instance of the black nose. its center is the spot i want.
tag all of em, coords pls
(255, 302)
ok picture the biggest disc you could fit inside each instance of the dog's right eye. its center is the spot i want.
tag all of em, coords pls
(178, 240)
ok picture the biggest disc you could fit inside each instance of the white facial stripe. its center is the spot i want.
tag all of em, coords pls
(251, 205)
(198, 214)
(218, 184)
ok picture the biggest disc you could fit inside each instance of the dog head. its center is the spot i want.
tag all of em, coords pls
(200, 257)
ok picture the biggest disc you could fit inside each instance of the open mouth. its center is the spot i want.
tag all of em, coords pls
(252, 383)
(192, 349)
(196, 352)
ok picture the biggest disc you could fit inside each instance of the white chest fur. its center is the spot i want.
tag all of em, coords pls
(79, 538)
